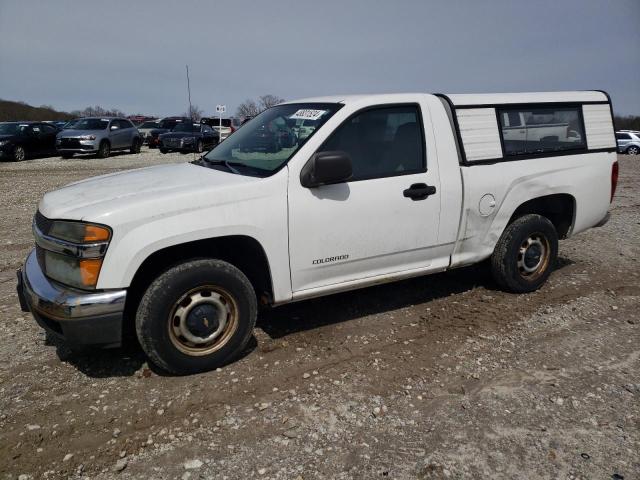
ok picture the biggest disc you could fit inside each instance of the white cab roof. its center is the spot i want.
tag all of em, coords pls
(460, 99)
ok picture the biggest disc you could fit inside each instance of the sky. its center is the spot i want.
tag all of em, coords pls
(131, 55)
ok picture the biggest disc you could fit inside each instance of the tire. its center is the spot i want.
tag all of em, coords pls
(104, 150)
(135, 147)
(163, 150)
(633, 150)
(67, 155)
(19, 153)
(164, 318)
(525, 254)
(199, 146)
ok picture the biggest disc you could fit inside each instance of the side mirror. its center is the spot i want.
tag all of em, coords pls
(326, 168)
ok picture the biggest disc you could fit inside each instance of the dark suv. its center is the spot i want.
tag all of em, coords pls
(20, 140)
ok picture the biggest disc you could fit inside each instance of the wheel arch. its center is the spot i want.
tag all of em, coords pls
(559, 208)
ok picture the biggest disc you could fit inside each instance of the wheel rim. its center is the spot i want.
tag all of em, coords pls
(533, 256)
(634, 150)
(19, 153)
(199, 147)
(203, 320)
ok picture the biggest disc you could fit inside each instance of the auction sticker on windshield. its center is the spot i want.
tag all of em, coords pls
(307, 114)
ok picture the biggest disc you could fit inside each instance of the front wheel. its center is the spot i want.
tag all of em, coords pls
(163, 150)
(633, 150)
(525, 254)
(104, 150)
(19, 154)
(196, 316)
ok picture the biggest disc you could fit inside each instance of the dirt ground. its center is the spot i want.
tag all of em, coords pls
(436, 377)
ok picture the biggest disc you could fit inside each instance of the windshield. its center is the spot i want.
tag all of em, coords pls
(186, 127)
(11, 128)
(89, 124)
(269, 140)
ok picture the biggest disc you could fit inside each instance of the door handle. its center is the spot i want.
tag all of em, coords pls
(419, 191)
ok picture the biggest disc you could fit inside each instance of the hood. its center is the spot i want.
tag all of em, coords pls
(146, 192)
(78, 133)
(8, 137)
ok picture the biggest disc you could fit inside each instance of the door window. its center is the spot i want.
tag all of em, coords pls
(381, 142)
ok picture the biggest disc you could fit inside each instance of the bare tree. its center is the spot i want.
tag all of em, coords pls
(196, 113)
(268, 101)
(251, 108)
(98, 111)
(248, 108)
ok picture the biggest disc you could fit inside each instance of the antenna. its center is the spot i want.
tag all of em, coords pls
(190, 111)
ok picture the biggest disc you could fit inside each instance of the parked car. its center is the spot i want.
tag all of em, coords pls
(385, 187)
(229, 125)
(189, 137)
(20, 140)
(165, 125)
(98, 135)
(628, 142)
(145, 129)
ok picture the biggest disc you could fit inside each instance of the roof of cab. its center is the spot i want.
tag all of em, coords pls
(473, 99)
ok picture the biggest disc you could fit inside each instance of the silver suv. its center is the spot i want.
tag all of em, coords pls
(98, 135)
(628, 141)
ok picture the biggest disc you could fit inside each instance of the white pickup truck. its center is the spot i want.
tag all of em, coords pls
(384, 187)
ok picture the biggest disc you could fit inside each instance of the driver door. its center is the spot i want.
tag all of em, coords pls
(370, 226)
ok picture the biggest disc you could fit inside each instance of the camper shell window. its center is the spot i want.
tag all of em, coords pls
(541, 129)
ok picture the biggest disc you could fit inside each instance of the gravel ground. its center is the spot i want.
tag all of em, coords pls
(435, 377)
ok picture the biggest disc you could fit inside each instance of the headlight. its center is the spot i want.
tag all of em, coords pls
(78, 232)
(87, 137)
(72, 252)
(75, 272)
(3, 142)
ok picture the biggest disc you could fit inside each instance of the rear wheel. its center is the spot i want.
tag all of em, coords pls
(525, 254)
(135, 147)
(19, 154)
(633, 150)
(104, 150)
(196, 316)
(163, 150)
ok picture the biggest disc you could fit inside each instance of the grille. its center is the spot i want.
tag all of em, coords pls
(43, 223)
(69, 142)
(172, 142)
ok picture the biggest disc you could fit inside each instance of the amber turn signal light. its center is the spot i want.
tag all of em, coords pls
(89, 270)
(93, 233)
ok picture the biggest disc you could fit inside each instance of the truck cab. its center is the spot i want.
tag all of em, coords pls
(380, 188)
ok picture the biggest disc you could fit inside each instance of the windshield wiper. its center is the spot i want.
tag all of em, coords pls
(226, 163)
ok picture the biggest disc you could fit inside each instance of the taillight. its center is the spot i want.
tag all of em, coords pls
(232, 129)
(614, 179)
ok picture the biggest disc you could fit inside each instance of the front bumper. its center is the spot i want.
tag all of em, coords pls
(74, 316)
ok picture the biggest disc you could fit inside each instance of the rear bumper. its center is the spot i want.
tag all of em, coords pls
(76, 317)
